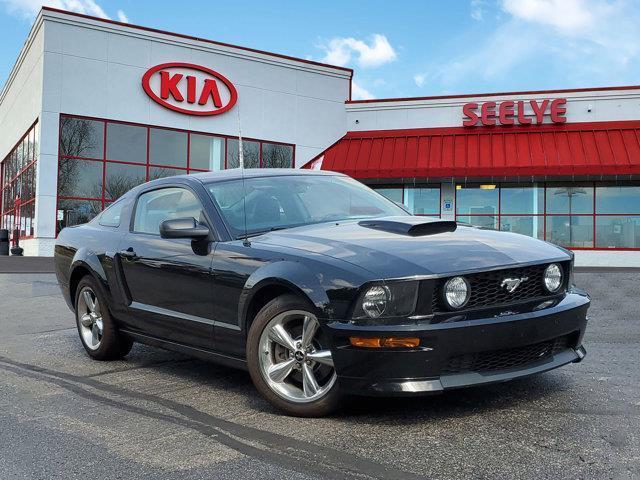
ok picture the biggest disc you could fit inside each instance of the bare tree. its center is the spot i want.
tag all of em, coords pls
(78, 137)
(119, 184)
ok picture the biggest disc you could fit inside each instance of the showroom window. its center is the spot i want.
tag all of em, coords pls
(18, 185)
(419, 200)
(577, 215)
(100, 160)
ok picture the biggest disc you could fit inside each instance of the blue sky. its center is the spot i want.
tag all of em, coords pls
(402, 48)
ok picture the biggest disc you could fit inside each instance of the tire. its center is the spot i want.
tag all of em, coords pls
(304, 382)
(96, 328)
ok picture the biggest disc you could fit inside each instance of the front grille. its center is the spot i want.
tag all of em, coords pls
(506, 359)
(486, 289)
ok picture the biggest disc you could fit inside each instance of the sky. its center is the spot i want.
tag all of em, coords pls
(400, 48)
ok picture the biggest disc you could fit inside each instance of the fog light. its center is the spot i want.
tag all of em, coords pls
(385, 342)
(456, 292)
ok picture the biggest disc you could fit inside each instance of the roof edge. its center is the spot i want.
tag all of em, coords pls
(498, 129)
(494, 94)
(199, 39)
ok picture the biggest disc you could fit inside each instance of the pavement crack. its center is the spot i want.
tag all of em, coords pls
(269, 447)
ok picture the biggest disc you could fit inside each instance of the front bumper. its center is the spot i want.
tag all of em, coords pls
(462, 353)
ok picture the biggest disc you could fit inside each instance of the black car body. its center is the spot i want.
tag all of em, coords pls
(200, 295)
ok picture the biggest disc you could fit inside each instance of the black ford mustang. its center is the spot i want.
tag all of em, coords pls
(318, 286)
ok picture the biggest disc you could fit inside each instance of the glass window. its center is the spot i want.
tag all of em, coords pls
(423, 201)
(617, 232)
(127, 143)
(392, 193)
(569, 198)
(111, 216)
(526, 225)
(482, 221)
(120, 178)
(521, 199)
(168, 147)
(75, 212)
(617, 198)
(17, 180)
(574, 231)
(206, 152)
(159, 172)
(476, 199)
(294, 200)
(277, 156)
(250, 152)
(156, 206)
(80, 137)
(80, 178)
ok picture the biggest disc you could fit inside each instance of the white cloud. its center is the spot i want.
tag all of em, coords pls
(339, 51)
(477, 10)
(563, 42)
(122, 17)
(567, 16)
(419, 79)
(30, 8)
(360, 93)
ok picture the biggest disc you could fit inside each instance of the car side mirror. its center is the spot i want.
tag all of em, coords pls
(183, 228)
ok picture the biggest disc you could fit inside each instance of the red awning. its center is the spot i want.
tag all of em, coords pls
(603, 148)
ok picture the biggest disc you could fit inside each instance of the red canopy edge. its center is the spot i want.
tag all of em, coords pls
(594, 148)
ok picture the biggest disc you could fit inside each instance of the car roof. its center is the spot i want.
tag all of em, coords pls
(238, 173)
(232, 174)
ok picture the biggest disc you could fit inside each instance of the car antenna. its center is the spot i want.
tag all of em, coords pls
(245, 240)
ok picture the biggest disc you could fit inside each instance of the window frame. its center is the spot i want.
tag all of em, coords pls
(404, 190)
(544, 216)
(132, 216)
(148, 164)
(27, 170)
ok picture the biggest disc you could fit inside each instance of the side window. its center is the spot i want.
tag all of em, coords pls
(112, 215)
(156, 206)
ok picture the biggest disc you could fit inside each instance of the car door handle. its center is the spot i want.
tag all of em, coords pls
(129, 253)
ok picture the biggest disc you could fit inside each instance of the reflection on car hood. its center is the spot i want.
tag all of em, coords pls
(392, 255)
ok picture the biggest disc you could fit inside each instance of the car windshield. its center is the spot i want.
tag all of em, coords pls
(278, 202)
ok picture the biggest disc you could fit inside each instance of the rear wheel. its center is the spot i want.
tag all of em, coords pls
(98, 333)
(289, 359)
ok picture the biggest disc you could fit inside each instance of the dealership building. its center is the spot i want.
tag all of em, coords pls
(94, 107)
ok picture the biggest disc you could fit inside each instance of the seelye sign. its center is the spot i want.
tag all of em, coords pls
(189, 89)
(509, 112)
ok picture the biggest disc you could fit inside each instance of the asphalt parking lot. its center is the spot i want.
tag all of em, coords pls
(165, 415)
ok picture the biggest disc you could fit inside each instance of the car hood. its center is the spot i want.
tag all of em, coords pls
(389, 254)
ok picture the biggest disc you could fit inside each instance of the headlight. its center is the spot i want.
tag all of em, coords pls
(457, 292)
(392, 300)
(553, 277)
(376, 301)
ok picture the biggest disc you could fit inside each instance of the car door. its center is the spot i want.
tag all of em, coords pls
(168, 281)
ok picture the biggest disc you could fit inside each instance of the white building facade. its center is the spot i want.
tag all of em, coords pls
(77, 121)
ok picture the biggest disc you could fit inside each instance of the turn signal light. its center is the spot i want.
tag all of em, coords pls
(385, 342)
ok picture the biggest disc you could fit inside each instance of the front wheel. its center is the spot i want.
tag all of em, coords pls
(289, 360)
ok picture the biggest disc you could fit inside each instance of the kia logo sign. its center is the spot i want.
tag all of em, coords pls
(189, 89)
(514, 112)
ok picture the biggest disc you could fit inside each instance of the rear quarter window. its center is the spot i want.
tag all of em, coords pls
(112, 216)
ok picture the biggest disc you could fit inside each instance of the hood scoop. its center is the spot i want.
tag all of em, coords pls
(409, 228)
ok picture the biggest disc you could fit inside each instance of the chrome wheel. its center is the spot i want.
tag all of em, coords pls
(293, 362)
(90, 320)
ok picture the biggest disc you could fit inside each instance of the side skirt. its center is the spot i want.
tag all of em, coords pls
(220, 358)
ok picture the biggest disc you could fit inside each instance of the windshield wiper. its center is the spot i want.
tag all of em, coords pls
(261, 232)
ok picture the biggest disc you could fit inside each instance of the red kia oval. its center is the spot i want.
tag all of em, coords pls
(146, 85)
